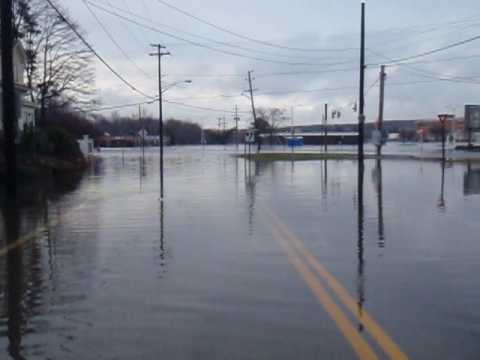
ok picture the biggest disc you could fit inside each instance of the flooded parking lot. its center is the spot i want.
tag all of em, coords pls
(244, 260)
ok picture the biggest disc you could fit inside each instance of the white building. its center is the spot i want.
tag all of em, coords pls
(25, 108)
(86, 145)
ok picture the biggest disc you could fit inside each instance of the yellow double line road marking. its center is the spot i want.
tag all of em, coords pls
(295, 249)
(37, 232)
(31, 236)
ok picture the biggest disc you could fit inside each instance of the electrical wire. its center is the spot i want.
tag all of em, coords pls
(221, 43)
(203, 107)
(95, 53)
(194, 43)
(431, 52)
(260, 75)
(114, 41)
(116, 107)
(244, 37)
(425, 73)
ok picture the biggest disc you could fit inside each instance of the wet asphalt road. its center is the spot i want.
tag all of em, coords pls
(243, 261)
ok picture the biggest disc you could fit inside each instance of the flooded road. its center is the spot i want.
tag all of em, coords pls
(243, 260)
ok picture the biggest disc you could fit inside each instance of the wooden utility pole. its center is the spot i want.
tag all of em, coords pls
(361, 116)
(325, 146)
(381, 108)
(159, 55)
(253, 109)
(140, 119)
(8, 96)
(237, 119)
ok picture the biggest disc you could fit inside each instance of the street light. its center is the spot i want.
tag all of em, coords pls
(168, 87)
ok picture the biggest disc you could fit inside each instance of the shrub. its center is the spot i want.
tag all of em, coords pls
(63, 145)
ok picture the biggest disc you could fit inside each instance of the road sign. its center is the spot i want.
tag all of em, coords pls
(250, 137)
(379, 137)
(472, 117)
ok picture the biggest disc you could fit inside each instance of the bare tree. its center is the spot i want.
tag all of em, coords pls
(274, 117)
(59, 68)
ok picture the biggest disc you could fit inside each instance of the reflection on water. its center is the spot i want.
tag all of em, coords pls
(25, 217)
(14, 288)
(360, 244)
(95, 275)
(377, 178)
(441, 200)
(471, 180)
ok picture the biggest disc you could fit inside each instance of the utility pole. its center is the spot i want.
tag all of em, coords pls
(237, 119)
(140, 119)
(250, 79)
(325, 146)
(361, 116)
(159, 53)
(8, 96)
(381, 108)
(443, 122)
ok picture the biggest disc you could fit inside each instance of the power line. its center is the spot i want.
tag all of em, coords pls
(455, 58)
(308, 72)
(114, 41)
(425, 73)
(285, 73)
(97, 55)
(221, 43)
(290, 73)
(129, 105)
(408, 40)
(260, 93)
(202, 107)
(430, 52)
(244, 37)
(117, 107)
(195, 43)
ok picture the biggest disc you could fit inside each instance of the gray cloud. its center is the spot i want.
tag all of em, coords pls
(327, 24)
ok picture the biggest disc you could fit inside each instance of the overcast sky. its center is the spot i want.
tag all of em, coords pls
(318, 42)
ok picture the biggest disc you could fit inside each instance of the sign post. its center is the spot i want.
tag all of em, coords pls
(250, 139)
(443, 121)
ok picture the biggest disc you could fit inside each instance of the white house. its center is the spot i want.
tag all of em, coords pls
(25, 108)
(86, 145)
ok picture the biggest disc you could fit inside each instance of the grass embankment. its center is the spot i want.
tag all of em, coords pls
(45, 165)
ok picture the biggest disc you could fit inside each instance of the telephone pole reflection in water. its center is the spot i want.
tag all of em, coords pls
(324, 174)
(250, 185)
(15, 278)
(360, 245)
(377, 177)
(441, 200)
(162, 234)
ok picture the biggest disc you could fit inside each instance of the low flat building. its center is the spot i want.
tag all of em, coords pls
(318, 138)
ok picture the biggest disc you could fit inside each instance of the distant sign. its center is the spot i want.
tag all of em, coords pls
(250, 137)
(472, 117)
(379, 137)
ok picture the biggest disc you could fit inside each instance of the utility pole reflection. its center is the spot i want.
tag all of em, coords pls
(15, 276)
(360, 246)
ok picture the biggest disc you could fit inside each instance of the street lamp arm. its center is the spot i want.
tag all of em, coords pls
(168, 87)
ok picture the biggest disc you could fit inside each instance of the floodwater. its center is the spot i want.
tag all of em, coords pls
(272, 260)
